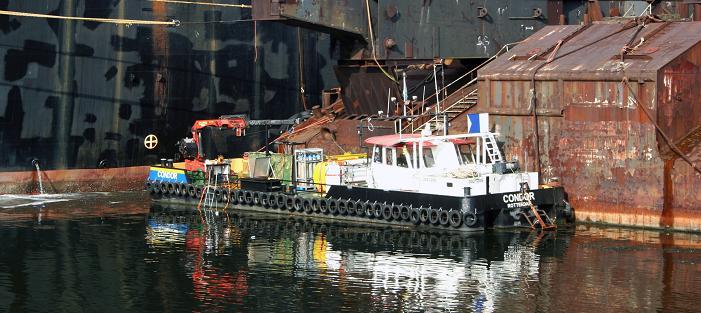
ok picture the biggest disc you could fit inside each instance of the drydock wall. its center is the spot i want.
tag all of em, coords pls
(593, 134)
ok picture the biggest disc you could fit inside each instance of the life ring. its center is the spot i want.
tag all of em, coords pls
(414, 216)
(443, 218)
(433, 216)
(405, 213)
(455, 218)
(424, 214)
(469, 219)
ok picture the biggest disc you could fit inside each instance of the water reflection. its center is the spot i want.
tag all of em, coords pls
(387, 268)
(113, 253)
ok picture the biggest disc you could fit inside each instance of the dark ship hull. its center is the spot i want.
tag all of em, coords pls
(85, 94)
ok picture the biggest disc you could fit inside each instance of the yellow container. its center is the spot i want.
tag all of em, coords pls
(240, 167)
(347, 156)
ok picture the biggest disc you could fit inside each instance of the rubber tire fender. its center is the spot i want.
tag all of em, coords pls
(396, 212)
(367, 207)
(198, 192)
(248, 197)
(191, 191)
(298, 203)
(433, 216)
(351, 207)
(377, 210)
(171, 188)
(360, 208)
(405, 213)
(324, 206)
(387, 212)
(231, 196)
(316, 205)
(256, 198)
(469, 219)
(176, 189)
(443, 218)
(240, 196)
(414, 216)
(163, 187)
(342, 207)
(281, 202)
(183, 189)
(333, 206)
(424, 214)
(307, 204)
(149, 187)
(217, 195)
(264, 199)
(455, 218)
(290, 203)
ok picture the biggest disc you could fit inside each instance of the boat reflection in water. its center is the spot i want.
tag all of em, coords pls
(116, 253)
(367, 268)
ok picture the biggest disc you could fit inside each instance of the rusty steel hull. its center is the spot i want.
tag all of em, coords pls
(78, 180)
(600, 136)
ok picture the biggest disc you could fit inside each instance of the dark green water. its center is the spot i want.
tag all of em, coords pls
(119, 253)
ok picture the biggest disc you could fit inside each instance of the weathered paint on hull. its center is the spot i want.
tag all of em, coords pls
(79, 180)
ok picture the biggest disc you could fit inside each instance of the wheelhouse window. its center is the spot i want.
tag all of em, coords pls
(389, 156)
(466, 153)
(377, 155)
(403, 157)
(429, 161)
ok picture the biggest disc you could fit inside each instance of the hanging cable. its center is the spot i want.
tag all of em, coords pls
(92, 19)
(372, 43)
(658, 128)
(243, 6)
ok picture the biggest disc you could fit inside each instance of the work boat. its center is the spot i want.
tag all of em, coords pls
(462, 178)
(451, 182)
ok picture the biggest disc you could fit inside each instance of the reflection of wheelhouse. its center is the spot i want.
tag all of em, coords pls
(444, 165)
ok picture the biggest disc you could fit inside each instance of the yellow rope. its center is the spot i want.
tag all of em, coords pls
(245, 6)
(92, 19)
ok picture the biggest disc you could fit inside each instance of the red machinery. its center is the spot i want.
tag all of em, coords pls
(196, 162)
(191, 148)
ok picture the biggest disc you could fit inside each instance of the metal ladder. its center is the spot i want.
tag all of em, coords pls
(490, 146)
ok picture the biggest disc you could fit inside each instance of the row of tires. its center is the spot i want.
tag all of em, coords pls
(380, 211)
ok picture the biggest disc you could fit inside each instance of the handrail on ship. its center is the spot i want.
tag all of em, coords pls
(470, 73)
